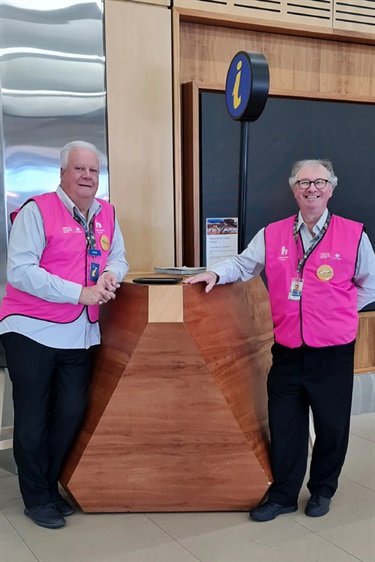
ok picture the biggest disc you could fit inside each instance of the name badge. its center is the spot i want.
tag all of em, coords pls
(93, 252)
(295, 291)
(94, 271)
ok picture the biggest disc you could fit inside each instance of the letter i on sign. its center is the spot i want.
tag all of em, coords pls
(236, 87)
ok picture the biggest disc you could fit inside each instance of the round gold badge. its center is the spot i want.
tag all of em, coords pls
(104, 242)
(325, 272)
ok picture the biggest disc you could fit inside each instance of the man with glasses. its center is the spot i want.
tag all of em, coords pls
(320, 270)
(66, 258)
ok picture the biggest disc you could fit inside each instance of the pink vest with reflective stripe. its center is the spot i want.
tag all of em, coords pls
(65, 255)
(327, 312)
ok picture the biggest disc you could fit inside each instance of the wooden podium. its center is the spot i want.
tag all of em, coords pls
(177, 415)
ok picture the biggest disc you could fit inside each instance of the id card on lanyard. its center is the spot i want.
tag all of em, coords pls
(94, 267)
(91, 244)
(295, 291)
(296, 285)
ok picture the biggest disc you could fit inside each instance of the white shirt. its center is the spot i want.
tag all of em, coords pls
(251, 261)
(26, 246)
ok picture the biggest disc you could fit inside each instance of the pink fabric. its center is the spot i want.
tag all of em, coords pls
(65, 255)
(327, 312)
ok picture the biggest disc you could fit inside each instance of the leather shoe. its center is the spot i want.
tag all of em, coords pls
(62, 506)
(270, 510)
(45, 516)
(317, 506)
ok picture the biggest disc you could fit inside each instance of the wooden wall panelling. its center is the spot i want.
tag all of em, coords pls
(364, 359)
(260, 9)
(354, 15)
(299, 67)
(140, 129)
(314, 13)
(166, 3)
(354, 19)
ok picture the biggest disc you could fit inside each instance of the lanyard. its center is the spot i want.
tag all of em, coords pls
(316, 239)
(89, 230)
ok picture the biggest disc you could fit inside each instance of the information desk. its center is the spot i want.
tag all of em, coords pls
(177, 416)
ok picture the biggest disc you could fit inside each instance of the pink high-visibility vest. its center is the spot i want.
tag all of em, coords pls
(326, 314)
(66, 254)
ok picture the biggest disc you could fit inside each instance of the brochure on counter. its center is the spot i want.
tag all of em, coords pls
(184, 270)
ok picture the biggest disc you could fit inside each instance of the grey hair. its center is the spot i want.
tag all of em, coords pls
(65, 151)
(327, 164)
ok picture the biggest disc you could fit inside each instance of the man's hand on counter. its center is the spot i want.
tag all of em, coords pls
(208, 277)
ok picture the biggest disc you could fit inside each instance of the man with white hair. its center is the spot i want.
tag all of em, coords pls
(66, 258)
(320, 270)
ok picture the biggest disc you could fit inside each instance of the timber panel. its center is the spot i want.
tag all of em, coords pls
(185, 425)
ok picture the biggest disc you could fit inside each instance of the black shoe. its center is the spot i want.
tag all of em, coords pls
(62, 506)
(45, 516)
(270, 510)
(317, 506)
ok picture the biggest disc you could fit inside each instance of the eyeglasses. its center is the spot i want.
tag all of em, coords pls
(320, 183)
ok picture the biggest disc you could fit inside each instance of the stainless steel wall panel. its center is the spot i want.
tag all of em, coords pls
(52, 91)
(52, 66)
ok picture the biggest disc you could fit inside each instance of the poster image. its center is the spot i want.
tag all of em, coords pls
(221, 239)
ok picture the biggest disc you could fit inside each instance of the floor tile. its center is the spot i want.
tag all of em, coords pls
(309, 548)
(9, 490)
(359, 465)
(92, 537)
(184, 525)
(210, 536)
(7, 461)
(167, 552)
(363, 425)
(7, 532)
(16, 552)
(351, 503)
(357, 538)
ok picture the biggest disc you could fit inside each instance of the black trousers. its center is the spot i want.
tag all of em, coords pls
(320, 378)
(50, 388)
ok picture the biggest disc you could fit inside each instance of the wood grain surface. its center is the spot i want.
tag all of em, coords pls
(177, 416)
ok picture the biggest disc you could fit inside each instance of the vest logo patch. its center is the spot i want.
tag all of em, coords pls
(325, 255)
(337, 256)
(283, 253)
(99, 227)
(66, 229)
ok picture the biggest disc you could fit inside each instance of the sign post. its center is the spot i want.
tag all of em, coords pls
(246, 93)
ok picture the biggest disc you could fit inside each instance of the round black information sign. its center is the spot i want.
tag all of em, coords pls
(247, 86)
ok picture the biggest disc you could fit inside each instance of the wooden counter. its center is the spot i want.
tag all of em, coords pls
(177, 417)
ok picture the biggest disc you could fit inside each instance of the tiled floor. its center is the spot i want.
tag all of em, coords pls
(347, 533)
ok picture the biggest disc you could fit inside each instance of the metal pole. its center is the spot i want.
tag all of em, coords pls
(243, 185)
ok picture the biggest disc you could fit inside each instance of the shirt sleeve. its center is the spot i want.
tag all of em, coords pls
(364, 277)
(26, 246)
(246, 265)
(116, 258)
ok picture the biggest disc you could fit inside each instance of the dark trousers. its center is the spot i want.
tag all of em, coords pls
(50, 388)
(320, 378)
